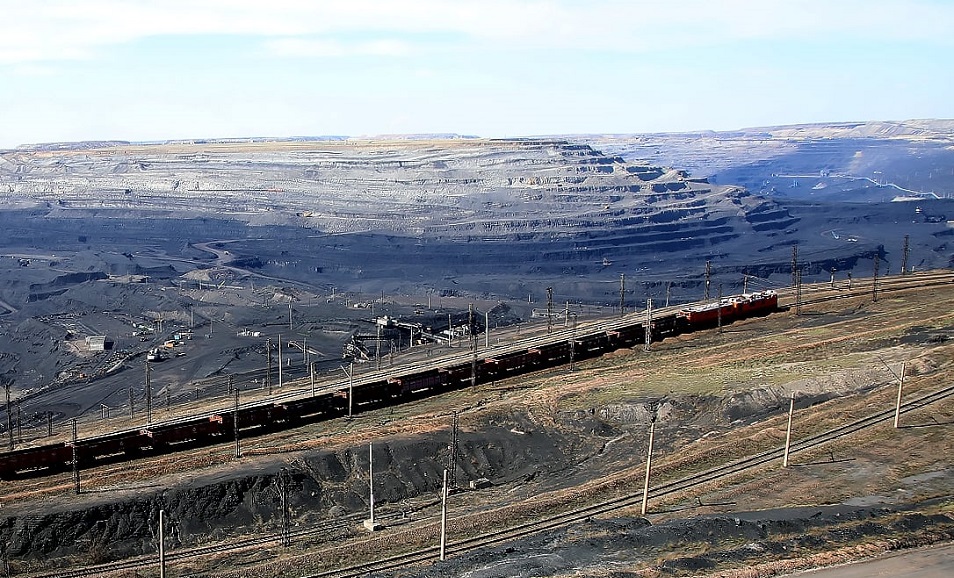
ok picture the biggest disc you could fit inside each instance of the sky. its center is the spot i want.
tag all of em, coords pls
(144, 70)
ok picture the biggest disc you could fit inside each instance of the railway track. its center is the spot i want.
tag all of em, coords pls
(329, 530)
(522, 530)
(608, 506)
(197, 424)
(300, 388)
(573, 516)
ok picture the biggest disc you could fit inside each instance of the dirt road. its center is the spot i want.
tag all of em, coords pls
(931, 562)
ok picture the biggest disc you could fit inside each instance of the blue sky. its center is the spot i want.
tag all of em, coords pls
(150, 70)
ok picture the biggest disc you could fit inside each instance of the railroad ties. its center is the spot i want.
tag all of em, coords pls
(559, 348)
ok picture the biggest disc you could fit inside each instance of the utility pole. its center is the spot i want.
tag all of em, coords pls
(708, 278)
(904, 255)
(444, 516)
(649, 462)
(453, 452)
(281, 361)
(573, 343)
(874, 278)
(235, 424)
(719, 310)
(148, 394)
(897, 408)
(268, 365)
(622, 293)
(788, 431)
(6, 386)
(486, 330)
(473, 347)
(369, 523)
(283, 499)
(132, 409)
(377, 347)
(549, 310)
(794, 262)
(311, 375)
(162, 546)
(649, 322)
(76, 475)
(470, 321)
(350, 375)
(290, 326)
(798, 292)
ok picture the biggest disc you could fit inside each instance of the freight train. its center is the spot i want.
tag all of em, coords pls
(261, 417)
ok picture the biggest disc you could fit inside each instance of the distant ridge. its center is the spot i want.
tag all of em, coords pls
(941, 129)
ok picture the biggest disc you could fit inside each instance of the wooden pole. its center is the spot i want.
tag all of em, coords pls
(649, 323)
(235, 425)
(311, 373)
(788, 433)
(268, 365)
(148, 394)
(444, 516)
(708, 278)
(351, 390)
(719, 310)
(622, 293)
(897, 408)
(9, 416)
(649, 463)
(76, 474)
(377, 348)
(371, 481)
(162, 546)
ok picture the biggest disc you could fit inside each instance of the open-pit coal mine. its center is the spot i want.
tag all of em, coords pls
(176, 293)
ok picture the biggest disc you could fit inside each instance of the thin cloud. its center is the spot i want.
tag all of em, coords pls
(325, 48)
(68, 30)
